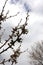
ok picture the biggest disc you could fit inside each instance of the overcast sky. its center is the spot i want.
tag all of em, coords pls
(35, 22)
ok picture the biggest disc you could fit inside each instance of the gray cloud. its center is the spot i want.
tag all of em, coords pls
(27, 7)
(16, 1)
(31, 5)
(22, 2)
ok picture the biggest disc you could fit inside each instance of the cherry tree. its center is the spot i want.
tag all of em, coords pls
(15, 36)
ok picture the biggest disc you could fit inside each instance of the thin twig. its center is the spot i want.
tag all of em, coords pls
(12, 16)
(3, 7)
